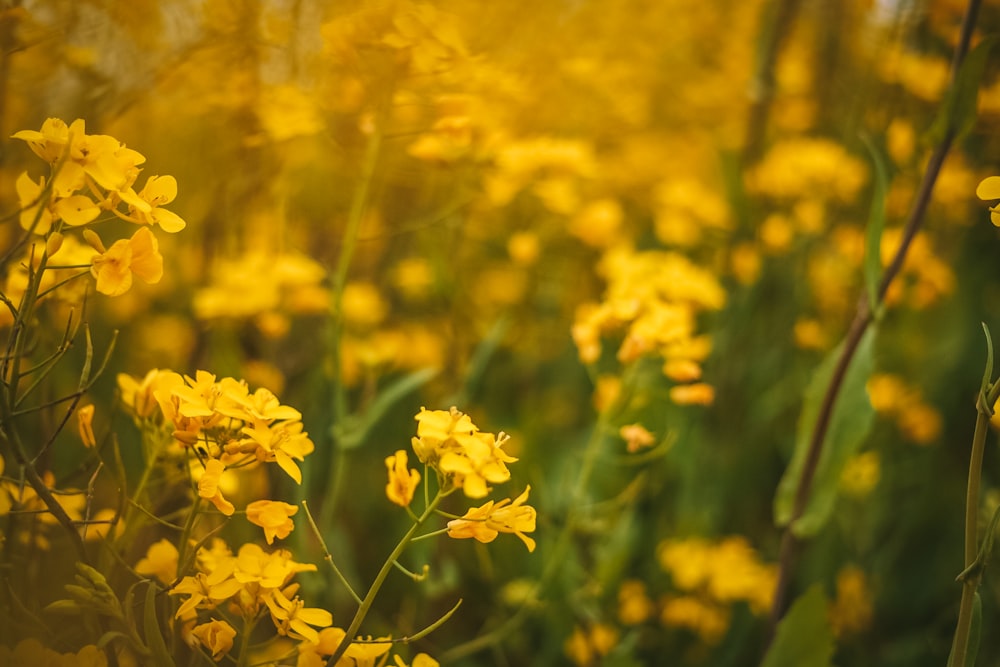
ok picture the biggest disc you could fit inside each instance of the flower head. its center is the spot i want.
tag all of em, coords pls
(989, 190)
(273, 516)
(402, 482)
(113, 268)
(486, 522)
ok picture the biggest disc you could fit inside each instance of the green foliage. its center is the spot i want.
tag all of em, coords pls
(803, 637)
(850, 422)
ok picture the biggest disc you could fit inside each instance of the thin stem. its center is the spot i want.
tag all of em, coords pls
(863, 318)
(376, 586)
(327, 556)
(359, 206)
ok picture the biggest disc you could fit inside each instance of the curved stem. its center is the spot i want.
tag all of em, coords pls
(359, 615)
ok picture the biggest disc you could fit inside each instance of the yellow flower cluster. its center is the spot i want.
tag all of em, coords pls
(223, 425)
(91, 174)
(918, 421)
(710, 576)
(464, 458)
(653, 298)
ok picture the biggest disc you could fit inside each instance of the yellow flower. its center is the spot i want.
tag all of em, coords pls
(160, 562)
(31, 652)
(280, 442)
(402, 482)
(692, 394)
(860, 474)
(419, 660)
(989, 190)
(268, 570)
(145, 207)
(852, 609)
(273, 516)
(292, 618)
(486, 522)
(217, 636)
(113, 268)
(139, 395)
(208, 486)
(206, 590)
(709, 620)
(634, 605)
(85, 425)
(586, 646)
(636, 437)
(450, 443)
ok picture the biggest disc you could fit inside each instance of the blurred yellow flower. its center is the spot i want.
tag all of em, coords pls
(160, 561)
(275, 517)
(636, 437)
(853, 607)
(586, 646)
(634, 605)
(861, 474)
(709, 620)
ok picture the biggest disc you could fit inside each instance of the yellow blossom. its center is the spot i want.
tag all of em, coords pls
(402, 482)
(486, 522)
(692, 394)
(989, 190)
(208, 486)
(146, 207)
(114, 267)
(708, 620)
(586, 646)
(292, 618)
(160, 562)
(852, 609)
(861, 474)
(206, 590)
(217, 636)
(273, 516)
(634, 605)
(636, 437)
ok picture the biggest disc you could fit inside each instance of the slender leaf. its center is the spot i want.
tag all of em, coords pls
(355, 433)
(957, 113)
(850, 422)
(804, 637)
(151, 627)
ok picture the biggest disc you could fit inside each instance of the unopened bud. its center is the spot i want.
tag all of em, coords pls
(53, 243)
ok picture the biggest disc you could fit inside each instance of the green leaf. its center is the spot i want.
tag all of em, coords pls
(481, 357)
(850, 422)
(356, 431)
(803, 637)
(957, 114)
(151, 629)
(876, 223)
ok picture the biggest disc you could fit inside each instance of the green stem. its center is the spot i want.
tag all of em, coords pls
(556, 560)
(359, 205)
(960, 644)
(359, 616)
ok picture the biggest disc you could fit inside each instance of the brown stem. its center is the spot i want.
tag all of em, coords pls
(863, 318)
